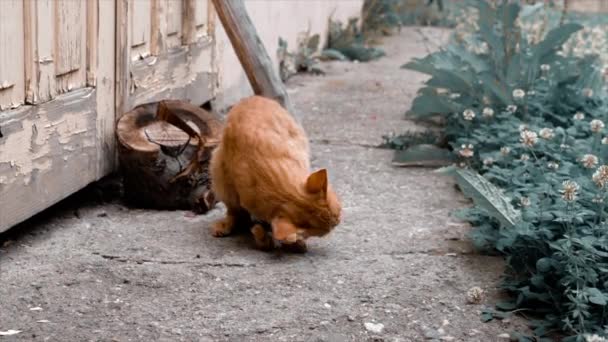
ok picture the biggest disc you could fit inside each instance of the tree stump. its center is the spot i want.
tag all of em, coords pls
(164, 153)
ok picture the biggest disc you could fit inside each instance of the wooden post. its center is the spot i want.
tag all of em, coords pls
(250, 50)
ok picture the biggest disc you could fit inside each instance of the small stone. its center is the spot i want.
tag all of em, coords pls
(340, 282)
(324, 323)
(504, 336)
(445, 322)
(350, 318)
(376, 328)
(327, 305)
(447, 338)
(430, 334)
(441, 331)
(473, 332)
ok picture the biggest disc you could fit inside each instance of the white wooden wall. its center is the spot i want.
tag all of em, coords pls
(69, 68)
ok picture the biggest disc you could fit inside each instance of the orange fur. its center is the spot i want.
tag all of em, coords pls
(262, 168)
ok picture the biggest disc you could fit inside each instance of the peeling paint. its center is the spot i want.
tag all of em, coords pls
(33, 141)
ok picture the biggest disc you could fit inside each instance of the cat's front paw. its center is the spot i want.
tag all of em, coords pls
(221, 228)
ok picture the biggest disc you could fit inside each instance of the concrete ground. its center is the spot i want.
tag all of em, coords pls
(396, 269)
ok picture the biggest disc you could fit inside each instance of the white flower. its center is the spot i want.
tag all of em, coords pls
(546, 133)
(454, 95)
(600, 176)
(524, 157)
(569, 190)
(474, 295)
(518, 94)
(468, 114)
(524, 202)
(553, 165)
(505, 150)
(605, 141)
(587, 92)
(488, 112)
(589, 161)
(579, 116)
(595, 338)
(488, 161)
(466, 151)
(523, 127)
(596, 125)
(511, 108)
(545, 67)
(528, 138)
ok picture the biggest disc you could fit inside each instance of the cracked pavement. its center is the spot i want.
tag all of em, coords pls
(94, 271)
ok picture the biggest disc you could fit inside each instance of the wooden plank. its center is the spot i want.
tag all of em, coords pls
(105, 87)
(258, 66)
(188, 21)
(201, 17)
(70, 44)
(179, 74)
(123, 60)
(173, 17)
(39, 45)
(12, 63)
(159, 27)
(140, 28)
(48, 152)
(92, 40)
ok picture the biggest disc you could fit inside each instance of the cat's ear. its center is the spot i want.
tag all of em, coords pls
(283, 230)
(317, 182)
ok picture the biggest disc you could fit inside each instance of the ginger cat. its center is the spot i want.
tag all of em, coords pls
(261, 169)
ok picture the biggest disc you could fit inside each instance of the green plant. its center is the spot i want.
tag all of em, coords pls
(349, 42)
(304, 60)
(529, 119)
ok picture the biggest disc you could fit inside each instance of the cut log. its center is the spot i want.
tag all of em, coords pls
(164, 152)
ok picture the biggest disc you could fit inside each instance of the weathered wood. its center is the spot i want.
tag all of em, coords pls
(159, 27)
(41, 85)
(178, 74)
(188, 21)
(201, 16)
(70, 44)
(47, 152)
(172, 70)
(12, 82)
(164, 150)
(105, 76)
(56, 147)
(174, 18)
(250, 50)
(140, 28)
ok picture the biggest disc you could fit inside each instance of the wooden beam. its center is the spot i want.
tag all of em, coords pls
(250, 50)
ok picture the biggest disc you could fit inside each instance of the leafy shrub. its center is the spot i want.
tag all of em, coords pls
(530, 119)
(303, 60)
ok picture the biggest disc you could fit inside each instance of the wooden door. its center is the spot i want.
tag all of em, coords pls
(57, 102)
(165, 50)
(70, 68)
